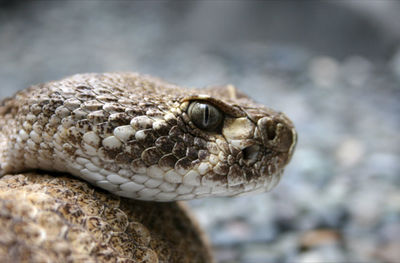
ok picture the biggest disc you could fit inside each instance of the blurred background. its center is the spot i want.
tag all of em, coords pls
(332, 66)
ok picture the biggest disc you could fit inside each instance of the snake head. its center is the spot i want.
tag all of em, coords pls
(249, 145)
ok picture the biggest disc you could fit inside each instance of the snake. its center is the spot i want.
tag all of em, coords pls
(142, 138)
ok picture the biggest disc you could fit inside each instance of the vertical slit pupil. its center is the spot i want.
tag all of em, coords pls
(206, 114)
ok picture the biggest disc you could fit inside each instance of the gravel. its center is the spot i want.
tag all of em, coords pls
(339, 200)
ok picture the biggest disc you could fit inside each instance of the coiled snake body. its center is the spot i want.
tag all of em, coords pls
(141, 138)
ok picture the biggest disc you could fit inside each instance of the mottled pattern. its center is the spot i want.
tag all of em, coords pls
(61, 219)
(131, 135)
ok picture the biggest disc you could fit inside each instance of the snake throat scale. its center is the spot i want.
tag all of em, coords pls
(140, 138)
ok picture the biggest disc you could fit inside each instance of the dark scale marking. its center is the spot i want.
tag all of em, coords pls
(22, 110)
(36, 109)
(92, 105)
(74, 136)
(72, 104)
(108, 154)
(141, 125)
(221, 179)
(134, 149)
(84, 125)
(235, 174)
(203, 154)
(111, 166)
(195, 162)
(172, 122)
(164, 144)
(99, 116)
(44, 101)
(134, 111)
(221, 168)
(86, 96)
(167, 161)
(199, 142)
(151, 156)
(148, 139)
(137, 164)
(250, 175)
(69, 149)
(179, 150)
(163, 129)
(103, 129)
(106, 98)
(188, 140)
(42, 119)
(51, 130)
(235, 152)
(192, 153)
(79, 114)
(182, 125)
(184, 163)
(83, 88)
(119, 119)
(113, 108)
(123, 158)
(231, 160)
(175, 133)
(48, 110)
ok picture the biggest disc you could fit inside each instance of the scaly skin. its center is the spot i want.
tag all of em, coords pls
(61, 219)
(135, 137)
(132, 135)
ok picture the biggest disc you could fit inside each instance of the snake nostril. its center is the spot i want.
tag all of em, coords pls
(250, 153)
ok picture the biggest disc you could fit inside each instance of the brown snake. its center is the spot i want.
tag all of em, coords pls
(142, 138)
(139, 137)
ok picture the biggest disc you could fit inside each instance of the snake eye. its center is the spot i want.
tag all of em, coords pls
(205, 116)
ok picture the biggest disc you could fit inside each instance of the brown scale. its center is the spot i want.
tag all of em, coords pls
(164, 144)
(151, 156)
(167, 161)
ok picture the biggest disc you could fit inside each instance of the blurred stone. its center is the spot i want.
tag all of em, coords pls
(389, 253)
(226, 254)
(356, 70)
(318, 237)
(361, 247)
(323, 254)
(350, 152)
(366, 207)
(390, 232)
(259, 253)
(395, 64)
(323, 71)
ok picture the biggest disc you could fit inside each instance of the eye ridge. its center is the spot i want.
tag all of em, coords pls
(205, 116)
